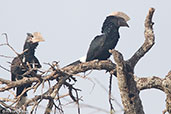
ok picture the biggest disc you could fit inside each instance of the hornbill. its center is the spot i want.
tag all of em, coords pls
(101, 44)
(21, 64)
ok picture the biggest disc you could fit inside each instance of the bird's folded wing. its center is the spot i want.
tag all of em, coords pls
(96, 47)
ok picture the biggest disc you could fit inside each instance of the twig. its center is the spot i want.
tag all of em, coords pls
(102, 86)
(110, 97)
(6, 56)
(4, 68)
(94, 107)
(7, 43)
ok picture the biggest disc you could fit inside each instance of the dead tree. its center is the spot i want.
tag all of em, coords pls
(130, 85)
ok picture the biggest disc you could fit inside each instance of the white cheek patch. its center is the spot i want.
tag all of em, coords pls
(83, 59)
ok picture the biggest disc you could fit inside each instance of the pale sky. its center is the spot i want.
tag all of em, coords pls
(68, 28)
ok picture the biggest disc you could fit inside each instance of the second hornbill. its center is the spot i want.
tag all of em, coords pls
(22, 63)
(101, 44)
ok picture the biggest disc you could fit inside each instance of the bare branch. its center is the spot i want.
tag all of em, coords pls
(168, 103)
(149, 82)
(7, 43)
(127, 86)
(149, 40)
(71, 70)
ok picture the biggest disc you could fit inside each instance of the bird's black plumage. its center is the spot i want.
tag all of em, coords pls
(21, 63)
(100, 45)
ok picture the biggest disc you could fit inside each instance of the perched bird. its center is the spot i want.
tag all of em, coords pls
(21, 64)
(101, 44)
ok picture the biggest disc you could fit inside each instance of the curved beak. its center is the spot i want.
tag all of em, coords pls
(124, 23)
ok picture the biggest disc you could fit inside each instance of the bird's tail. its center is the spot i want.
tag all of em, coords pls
(81, 60)
(23, 98)
(22, 101)
(74, 63)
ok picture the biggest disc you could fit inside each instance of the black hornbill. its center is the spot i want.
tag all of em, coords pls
(21, 64)
(101, 44)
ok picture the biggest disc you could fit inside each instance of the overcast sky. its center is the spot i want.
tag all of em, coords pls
(68, 28)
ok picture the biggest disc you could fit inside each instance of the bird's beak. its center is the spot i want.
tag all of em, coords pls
(37, 37)
(124, 24)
